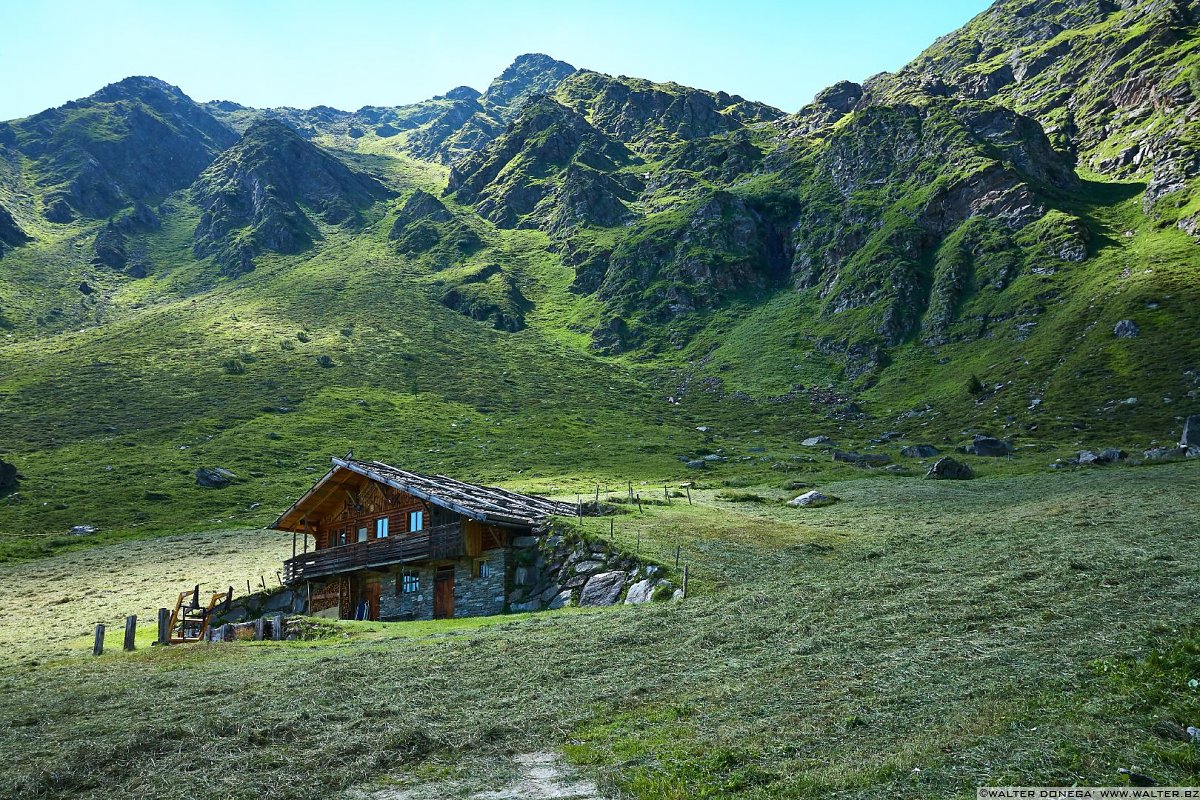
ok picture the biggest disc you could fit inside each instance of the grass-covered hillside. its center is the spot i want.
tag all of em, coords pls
(573, 282)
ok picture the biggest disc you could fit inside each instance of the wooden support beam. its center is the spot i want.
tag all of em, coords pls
(164, 626)
(98, 644)
(130, 631)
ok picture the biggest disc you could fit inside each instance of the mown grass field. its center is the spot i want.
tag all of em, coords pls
(914, 640)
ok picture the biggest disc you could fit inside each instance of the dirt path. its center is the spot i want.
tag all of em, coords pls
(535, 776)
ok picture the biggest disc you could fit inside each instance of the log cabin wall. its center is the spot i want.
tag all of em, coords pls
(356, 518)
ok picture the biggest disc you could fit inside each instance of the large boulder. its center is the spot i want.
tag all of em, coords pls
(1164, 453)
(814, 498)
(1191, 432)
(919, 451)
(817, 441)
(640, 592)
(947, 469)
(991, 447)
(214, 478)
(1126, 329)
(860, 459)
(602, 589)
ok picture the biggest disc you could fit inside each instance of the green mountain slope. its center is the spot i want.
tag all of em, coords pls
(559, 281)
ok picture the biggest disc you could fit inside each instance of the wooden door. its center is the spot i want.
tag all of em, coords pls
(443, 593)
(371, 595)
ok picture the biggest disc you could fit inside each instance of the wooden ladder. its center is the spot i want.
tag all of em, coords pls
(189, 621)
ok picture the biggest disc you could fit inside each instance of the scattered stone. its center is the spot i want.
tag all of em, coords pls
(812, 499)
(947, 469)
(919, 451)
(82, 530)
(696, 463)
(1164, 453)
(1109, 455)
(990, 447)
(817, 441)
(893, 468)
(713, 458)
(528, 605)
(561, 600)
(640, 592)
(703, 428)
(588, 567)
(215, 478)
(1126, 329)
(1189, 438)
(602, 589)
(862, 459)
(85, 288)
(1165, 729)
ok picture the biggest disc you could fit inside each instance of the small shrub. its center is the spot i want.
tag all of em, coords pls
(974, 386)
(287, 344)
(325, 362)
(741, 497)
(303, 337)
(233, 366)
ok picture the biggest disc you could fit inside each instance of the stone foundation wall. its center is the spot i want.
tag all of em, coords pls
(406, 605)
(479, 597)
(562, 569)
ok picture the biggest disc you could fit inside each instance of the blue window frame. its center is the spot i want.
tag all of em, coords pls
(381, 528)
(416, 520)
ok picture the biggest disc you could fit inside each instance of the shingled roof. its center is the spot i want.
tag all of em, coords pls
(483, 503)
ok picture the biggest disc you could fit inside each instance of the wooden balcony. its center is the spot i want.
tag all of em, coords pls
(443, 541)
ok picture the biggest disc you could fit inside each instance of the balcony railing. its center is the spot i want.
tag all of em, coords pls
(443, 541)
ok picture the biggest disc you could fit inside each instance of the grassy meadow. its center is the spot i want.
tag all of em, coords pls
(916, 639)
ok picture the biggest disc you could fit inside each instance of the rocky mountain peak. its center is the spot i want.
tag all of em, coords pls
(528, 75)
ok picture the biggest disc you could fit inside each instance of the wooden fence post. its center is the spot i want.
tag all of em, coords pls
(685, 580)
(631, 491)
(130, 630)
(676, 556)
(263, 581)
(667, 494)
(164, 626)
(689, 492)
(277, 627)
(259, 625)
(98, 645)
(639, 502)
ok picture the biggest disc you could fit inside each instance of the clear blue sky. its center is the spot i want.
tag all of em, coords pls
(348, 54)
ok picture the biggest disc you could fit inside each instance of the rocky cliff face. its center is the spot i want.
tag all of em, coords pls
(652, 117)
(252, 197)
(136, 140)
(528, 166)
(1116, 83)
(11, 233)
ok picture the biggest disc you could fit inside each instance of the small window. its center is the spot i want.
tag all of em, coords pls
(409, 583)
(362, 534)
(482, 568)
(416, 520)
(341, 536)
(381, 528)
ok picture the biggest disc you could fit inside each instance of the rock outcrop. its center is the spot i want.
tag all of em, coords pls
(252, 197)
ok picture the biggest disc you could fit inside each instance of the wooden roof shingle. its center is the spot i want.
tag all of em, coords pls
(483, 503)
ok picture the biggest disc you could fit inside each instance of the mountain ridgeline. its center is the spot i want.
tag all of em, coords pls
(1018, 206)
